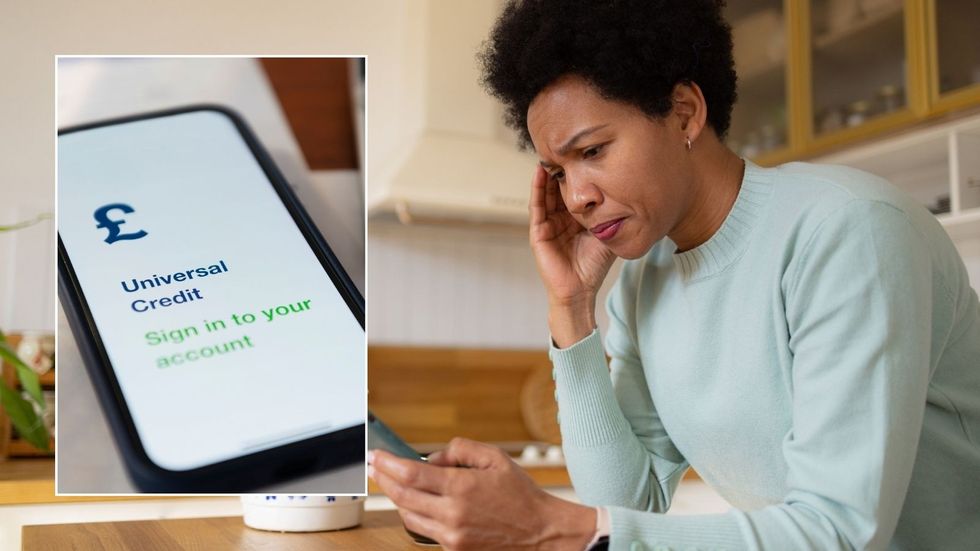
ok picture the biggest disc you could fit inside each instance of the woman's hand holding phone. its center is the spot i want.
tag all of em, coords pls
(489, 503)
(571, 261)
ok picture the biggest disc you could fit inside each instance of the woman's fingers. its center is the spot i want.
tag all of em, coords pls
(552, 198)
(407, 497)
(468, 453)
(549, 217)
(570, 227)
(537, 207)
(408, 472)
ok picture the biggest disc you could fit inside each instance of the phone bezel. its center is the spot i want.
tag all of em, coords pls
(245, 472)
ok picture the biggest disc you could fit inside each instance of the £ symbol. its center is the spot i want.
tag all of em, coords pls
(102, 217)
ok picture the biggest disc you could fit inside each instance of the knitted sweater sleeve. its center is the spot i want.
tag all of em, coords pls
(859, 301)
(611, 433)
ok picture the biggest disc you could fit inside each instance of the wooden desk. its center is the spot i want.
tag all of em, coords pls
(380, 530)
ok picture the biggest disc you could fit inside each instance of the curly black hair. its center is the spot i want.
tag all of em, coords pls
(634, 51)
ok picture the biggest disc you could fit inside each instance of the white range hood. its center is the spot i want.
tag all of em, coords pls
(464, 166)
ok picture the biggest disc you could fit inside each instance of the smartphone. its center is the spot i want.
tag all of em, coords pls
(381, 437)
(224, 339)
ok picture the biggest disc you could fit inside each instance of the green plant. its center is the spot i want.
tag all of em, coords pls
(23, 412)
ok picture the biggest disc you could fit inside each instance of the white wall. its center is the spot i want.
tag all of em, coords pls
(970, 251)
(27, 268)
(439, 286)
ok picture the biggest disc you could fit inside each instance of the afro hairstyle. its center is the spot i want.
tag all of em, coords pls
(632, 51)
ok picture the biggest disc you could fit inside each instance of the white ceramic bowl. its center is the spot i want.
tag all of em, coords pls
(291, 513)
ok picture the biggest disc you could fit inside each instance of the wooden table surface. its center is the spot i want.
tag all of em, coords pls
(380, 530)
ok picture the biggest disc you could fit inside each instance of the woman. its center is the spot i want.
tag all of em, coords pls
(805, 336)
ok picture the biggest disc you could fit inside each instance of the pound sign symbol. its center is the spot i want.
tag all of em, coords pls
(102, 217)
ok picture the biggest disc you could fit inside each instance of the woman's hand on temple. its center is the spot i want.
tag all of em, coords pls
(473, 496)
(571, 261)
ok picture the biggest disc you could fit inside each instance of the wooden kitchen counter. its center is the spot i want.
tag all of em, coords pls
(30, 481)
(380, 530)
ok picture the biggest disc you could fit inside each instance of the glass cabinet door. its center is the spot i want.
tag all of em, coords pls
(858, 61)
(759, 116)
(957, 44)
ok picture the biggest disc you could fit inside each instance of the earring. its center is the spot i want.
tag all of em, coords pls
(688, 138)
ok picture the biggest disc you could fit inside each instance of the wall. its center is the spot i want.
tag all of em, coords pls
(970, 251)
(460, 287)
(457, 286)
(27, 267)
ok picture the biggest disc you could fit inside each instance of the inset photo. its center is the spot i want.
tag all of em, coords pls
(210, 219)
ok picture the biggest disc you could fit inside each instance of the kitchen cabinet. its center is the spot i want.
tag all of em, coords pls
(953, 53)
(859, 55)
(817, 76)
(759, 123)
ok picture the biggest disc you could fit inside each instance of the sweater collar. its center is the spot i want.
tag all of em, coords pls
(731, 239)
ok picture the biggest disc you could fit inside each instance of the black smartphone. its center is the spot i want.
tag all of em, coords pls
(223, 337)
(381, 437)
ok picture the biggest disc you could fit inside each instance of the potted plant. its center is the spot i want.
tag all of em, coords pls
(26, 409)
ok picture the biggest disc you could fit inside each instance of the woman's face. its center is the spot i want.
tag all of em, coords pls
(623, 175)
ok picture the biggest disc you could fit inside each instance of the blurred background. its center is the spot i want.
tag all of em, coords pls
(456, 314)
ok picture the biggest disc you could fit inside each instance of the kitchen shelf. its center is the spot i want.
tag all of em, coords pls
(927, 164)
(963, 225)
(873, 24)
(852, 65)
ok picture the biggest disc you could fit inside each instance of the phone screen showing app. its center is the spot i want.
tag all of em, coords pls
(224, 331)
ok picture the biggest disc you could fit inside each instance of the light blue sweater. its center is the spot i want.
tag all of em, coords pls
(817, 361)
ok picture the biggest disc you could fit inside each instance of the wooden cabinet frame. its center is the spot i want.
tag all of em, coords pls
(924, 103)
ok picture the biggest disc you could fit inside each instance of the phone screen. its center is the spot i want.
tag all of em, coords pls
(224, 331)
